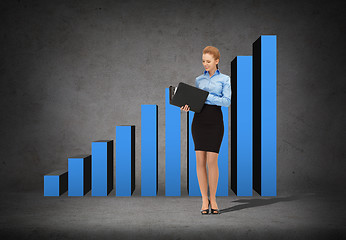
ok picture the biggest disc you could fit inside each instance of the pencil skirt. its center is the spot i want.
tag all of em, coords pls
(207, 128)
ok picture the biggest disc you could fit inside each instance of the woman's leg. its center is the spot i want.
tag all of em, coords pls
(213, 170)
(201, 160)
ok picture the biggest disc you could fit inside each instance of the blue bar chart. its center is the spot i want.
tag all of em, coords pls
(55, 183)
(149, 150)
(223, 159)
(250, 154)
(192, 180)
(264, 103)
(241, 126)
(79, 175)
(125, 160)
(102, 167)
(172, 148)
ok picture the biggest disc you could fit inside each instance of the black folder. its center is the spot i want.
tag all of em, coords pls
(187, 94)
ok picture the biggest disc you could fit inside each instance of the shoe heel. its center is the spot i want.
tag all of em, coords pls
(215, 211)
(206, 211)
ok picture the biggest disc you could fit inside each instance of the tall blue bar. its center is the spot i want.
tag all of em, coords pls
(192, 180)
(264, 103)
(125, 160)
(149, 150)
(79, 175)
(172, 148)
(102, 167)
(55, 183)
(241, 163)
(223, 158)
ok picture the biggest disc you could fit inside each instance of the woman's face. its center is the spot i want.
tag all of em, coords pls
(209, 62)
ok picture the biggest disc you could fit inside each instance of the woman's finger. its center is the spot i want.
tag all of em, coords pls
(186, 108)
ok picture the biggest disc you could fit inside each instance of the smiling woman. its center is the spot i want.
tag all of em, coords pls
(211, 56)
(207, 126)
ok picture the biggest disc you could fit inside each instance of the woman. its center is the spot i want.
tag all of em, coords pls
(207, 126)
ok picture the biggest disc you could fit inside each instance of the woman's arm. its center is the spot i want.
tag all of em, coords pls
(225, 100)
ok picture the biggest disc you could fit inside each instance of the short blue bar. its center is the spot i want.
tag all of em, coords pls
(79, 175)
(125, 160)
(173, 113)
(242, 126)
(192, 180)
(223, 158)
(102, 167)
(55, 183)
(264, 52)
(149, 150)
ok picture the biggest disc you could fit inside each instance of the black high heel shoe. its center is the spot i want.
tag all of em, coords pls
(206, 211)
(215, 211)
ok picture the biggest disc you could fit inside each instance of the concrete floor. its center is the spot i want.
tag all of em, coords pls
(30, 215)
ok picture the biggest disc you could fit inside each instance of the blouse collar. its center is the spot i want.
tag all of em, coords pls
(216, 72)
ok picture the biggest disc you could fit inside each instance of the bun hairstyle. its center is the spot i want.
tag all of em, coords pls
(212, 51)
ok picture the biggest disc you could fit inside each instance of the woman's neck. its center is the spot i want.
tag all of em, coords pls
(211, 72)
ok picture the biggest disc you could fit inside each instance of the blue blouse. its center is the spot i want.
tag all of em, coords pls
(218, 86)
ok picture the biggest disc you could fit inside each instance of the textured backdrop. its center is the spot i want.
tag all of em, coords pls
(70, 72)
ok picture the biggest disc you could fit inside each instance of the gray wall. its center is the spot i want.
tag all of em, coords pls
(71, 72)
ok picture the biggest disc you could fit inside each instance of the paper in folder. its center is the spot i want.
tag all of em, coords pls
(186, 94)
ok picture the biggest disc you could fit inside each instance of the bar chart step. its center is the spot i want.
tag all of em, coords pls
(55, 183)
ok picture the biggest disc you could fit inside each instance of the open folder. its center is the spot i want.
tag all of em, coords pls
(186, 94)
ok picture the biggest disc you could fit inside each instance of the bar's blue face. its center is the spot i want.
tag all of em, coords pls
(149, 151)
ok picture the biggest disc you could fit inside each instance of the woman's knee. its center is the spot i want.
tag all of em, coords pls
(212, 158)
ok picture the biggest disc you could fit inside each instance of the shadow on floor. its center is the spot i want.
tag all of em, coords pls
(251, 202)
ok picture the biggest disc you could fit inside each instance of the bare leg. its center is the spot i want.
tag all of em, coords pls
(201, 160)
(213, 177)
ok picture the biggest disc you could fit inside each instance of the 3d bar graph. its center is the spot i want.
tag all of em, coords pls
(172, 148)
(264, 115)
(79, 175)
(241, 126)
(223, 159)
(102, 167)
(188, 152)
(149, 150)
(125, 160)
(192, 180)
(252, 147)
(55, 183)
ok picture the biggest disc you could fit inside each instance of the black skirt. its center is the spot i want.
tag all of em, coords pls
(207, 128)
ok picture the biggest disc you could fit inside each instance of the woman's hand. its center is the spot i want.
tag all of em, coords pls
(186, 108)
